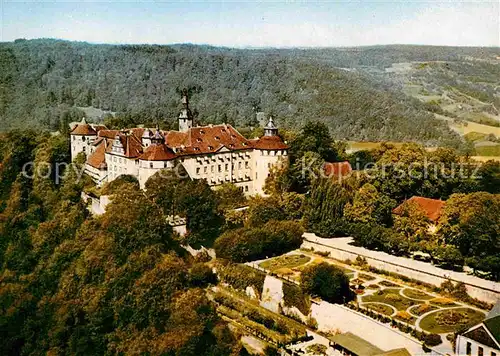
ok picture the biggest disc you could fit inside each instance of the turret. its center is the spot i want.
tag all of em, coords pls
(157, 138)
(82, 137)
(146, 137)
(185, 116)
(270, 129)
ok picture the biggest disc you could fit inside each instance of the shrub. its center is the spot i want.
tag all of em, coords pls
(327, 281)
(247, 244)
(293, 296)
(241, 276)
(201, 275)
(432, 339)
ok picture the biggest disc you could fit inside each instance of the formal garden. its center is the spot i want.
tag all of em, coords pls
(436, 315)
(291, 265)
(450, 320)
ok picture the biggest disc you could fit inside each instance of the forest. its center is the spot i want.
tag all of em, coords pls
(74, 283)
(44, 82)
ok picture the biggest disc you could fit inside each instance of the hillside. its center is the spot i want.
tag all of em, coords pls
(43, 81)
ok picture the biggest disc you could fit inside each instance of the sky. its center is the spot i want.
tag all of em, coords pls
(319, 23)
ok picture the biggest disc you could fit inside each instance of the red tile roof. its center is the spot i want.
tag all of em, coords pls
(431, 207)
(97, 158)
(175, 138)
(269, 143)
(208, 139)
(83, 129)
(108, 133)
(337, 169)
(198, 140)
(132, 145)
(157, 152)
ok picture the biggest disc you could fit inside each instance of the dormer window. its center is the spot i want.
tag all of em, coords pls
(198, 139)
(202, 131)
(210, 147)
(196, 148)
(217, 138)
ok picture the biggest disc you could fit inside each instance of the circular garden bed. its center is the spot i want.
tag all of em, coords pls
(421, 309)
(379, 308)
(416, 294)
(450, 320)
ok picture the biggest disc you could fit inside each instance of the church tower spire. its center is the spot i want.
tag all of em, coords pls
(185, 116)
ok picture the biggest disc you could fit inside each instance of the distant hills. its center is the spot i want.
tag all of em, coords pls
(42, 82)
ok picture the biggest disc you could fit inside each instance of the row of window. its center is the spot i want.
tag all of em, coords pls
(273, 153)
(480, 350)
(220, 168)
(84, 138)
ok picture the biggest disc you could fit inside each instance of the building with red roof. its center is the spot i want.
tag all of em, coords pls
(216, 153)
(337, 170)
(431, 207)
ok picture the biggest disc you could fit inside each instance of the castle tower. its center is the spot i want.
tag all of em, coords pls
(185, 116)
(82, 137)
(157, 138)
(146, 137)
(270, 129)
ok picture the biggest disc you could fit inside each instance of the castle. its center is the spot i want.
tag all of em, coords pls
(217, 153)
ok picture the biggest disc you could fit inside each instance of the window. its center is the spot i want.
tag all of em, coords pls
(468, 348)
(83, 138)
(198, 170)
(493, 353)
(212, 169)
(255, 175)
(246, 188)
(480, 351)
(227, 167)
(239, 165)
(220, 168)
(165, 164)
(205, 169)
(151, 165)
(246, 164)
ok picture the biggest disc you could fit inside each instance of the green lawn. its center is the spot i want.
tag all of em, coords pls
(450, 320)
(392, 297)
(285, 261)
(379, 308)
(416, 294)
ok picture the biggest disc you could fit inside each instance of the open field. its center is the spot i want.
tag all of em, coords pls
(475, 127)
(353, 146)
(486, 158)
